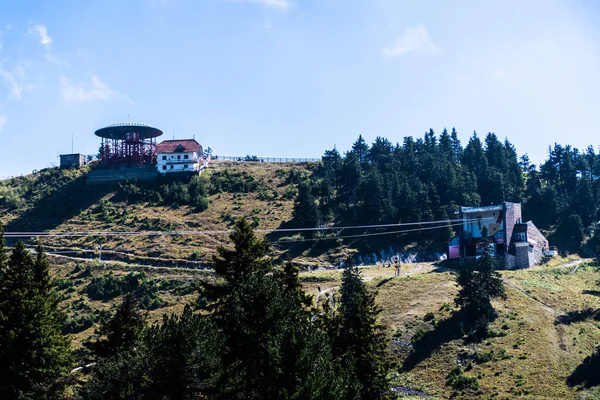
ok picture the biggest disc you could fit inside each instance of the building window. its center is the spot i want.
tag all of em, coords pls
(164, 157)
(185, 166)
(186, 156)
(520, 237)
(164, 167)
(179, 157)
(171, 167)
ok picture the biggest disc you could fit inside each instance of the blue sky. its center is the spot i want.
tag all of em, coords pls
(294, 77)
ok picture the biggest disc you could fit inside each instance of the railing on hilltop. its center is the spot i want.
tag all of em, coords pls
(265, 159)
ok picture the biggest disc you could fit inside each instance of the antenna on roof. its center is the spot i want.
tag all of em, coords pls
(72, 144)
(173, 132)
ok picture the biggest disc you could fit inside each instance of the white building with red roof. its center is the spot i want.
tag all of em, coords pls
(175, 156)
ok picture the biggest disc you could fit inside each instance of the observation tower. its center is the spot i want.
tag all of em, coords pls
(128, 144)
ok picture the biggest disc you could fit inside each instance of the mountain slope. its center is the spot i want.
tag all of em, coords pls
(60, 200)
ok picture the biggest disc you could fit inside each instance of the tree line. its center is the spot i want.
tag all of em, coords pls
(429, 178)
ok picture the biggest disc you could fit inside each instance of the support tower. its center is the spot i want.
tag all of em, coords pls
(128, 144)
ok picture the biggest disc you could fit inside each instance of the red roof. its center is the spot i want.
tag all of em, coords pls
(178, 146)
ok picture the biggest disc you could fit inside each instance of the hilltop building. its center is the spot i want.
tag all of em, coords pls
(177, 156)
(72, 160)
(129, 151)
(517, 244)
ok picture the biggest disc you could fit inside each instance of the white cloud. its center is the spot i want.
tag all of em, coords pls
(43, 32)
(279, 4)
(81, 92)
(3, 121)
(414, 39)
(10, 80)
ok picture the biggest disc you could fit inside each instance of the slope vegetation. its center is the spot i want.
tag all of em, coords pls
(60, 201)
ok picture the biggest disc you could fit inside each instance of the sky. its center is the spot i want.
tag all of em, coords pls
(292, 78)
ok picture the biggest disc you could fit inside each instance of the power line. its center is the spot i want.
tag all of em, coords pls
(366, 234)
(225, 231)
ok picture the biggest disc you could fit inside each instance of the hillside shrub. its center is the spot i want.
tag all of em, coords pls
(175, 194)
(77, 323)
(460, 382)
(233, 182)
(108, 286)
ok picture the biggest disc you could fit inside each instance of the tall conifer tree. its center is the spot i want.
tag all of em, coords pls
(34, 354)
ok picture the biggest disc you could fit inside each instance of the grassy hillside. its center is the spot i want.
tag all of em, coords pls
(60, 200)
(545, 329)
(547, 326)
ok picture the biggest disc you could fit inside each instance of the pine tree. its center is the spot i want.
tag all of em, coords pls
(569, 233)
(305, 213)
(121, 332)
(34, 354)
(349, 179)
(291, 284)
(456, 146)
(176, 359)
(372, 207)
(271, 348)
(249, 256)
(479, 285)
(273, 351)
(360, 342)
(361, 149)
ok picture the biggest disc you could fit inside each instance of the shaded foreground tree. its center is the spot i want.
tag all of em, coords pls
(177, 359)
(306, 212)
(358, 340)
(271, 350)
(261, 340)
(34, 355)
(479, 284)
(234, 266)
(121, 332)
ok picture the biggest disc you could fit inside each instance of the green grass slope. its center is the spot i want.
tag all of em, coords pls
(548, 325)
(545, 329)
(59, 200)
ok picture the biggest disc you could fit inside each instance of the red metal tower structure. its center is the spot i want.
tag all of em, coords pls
(128, 144)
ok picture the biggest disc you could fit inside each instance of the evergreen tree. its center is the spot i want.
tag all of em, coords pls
(272, 350)
(234, 266)
(350, 175)
(569, 233)
(456, 146)
(360, 342)
(198, 193)
(360, 148)
(121, 332)
(584, 202)
(291, 284)
(479, 285)
(34, 354)
(177, 359)
(372, 208)
(306, 212)
(525, 163)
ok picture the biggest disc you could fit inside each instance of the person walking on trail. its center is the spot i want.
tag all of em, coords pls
(397, 265)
